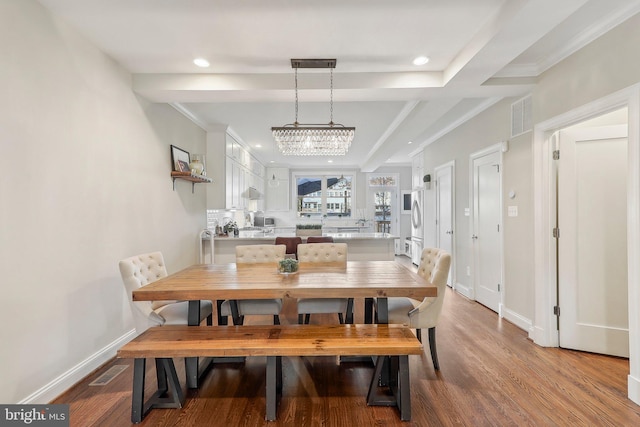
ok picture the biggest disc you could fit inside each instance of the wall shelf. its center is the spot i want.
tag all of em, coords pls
(191, 177)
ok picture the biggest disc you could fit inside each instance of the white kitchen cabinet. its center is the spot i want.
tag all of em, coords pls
(417, 170)
(242, 172)
(277, 189)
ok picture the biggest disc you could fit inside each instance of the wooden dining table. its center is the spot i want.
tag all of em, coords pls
(358, 279)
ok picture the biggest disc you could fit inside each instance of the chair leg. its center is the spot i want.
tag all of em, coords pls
(340, 318)
(419, 334)
(210, 320)
(300, 319)
(432, 347)
(307, 318)
(276, 319)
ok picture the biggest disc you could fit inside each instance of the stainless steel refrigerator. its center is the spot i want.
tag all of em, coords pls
(417, 229)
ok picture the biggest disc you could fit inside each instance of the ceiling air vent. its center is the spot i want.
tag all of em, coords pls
(521, 116)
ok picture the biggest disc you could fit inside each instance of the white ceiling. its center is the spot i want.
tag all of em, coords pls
(480, 52)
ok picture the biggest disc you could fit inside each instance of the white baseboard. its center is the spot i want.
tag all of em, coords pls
(464, 290)
(518, 320)
(634, 389)
(74, 375)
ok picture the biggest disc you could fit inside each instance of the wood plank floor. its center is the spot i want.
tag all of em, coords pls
(491, 375)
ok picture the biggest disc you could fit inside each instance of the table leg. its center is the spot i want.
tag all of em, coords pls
(368, 310)
(191, 363)
(349, 318)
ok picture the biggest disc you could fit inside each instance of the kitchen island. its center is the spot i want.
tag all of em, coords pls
(361, 246)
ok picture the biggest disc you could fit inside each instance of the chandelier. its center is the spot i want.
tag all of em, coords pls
(296, 139)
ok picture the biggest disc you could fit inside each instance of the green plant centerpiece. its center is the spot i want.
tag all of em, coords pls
(288, 266)
(308, 226)
(231, 228)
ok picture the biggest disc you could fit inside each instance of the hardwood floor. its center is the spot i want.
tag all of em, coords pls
(491, 375)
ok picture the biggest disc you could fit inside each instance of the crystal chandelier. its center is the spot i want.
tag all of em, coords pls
(296, 139)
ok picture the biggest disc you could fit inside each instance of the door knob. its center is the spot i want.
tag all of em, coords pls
(474, 237)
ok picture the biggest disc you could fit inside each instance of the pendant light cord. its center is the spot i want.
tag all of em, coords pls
(296, 78)
(331, 98)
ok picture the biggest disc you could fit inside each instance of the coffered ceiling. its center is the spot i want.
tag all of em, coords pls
(480, 51)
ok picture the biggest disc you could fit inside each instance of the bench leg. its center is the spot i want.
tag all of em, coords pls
(271, 389)
(167, 382)
(398, 383)
(404, 391)
(137, 397)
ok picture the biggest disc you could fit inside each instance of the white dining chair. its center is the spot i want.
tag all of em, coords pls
(143, 269)
(434, 267)
(245, 256)
(323, 253)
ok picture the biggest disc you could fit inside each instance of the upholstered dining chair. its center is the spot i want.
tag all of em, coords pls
(323, 253)
(291, 244)
(143, 269)
(434, 267)
(245, 256)
(319, 239)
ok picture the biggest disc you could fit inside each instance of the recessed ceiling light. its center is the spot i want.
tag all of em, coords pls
(420, 60)
(329, 161)
(258, 146)
(410, 142)
(201, 62)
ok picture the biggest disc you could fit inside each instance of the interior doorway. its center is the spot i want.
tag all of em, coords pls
(445, 219)
(591, 183)
(486, 170)
(544, 330)
(384, 205)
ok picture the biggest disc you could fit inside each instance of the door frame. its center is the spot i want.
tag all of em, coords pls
(492, 149)
(544, 331)
(452, 165)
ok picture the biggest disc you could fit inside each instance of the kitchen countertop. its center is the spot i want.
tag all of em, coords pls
(253, 235)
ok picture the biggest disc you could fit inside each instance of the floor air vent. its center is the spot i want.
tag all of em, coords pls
(109, 375)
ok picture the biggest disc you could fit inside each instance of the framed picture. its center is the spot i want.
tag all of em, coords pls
(180, 158)
(406, 202)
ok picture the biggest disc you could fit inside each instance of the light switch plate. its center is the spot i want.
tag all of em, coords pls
(467, 212)
(512, 211)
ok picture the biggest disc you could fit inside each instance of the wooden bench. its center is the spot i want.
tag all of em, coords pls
(166, 342)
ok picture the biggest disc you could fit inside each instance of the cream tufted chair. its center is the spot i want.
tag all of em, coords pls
(245, 256)
(323, 253)
(141, 270)
(434, 267)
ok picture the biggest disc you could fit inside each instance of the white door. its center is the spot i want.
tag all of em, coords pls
(592, 245)
(487, 243)
(444, 212)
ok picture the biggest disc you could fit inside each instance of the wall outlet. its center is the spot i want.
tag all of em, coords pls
(468, 271)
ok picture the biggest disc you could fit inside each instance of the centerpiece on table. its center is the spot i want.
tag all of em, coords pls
(288, 266)
(308, 229)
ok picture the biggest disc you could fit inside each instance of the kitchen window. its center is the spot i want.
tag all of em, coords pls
(324, 195)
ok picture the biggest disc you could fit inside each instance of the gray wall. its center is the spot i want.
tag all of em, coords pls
(601, 68)
(86, 182)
